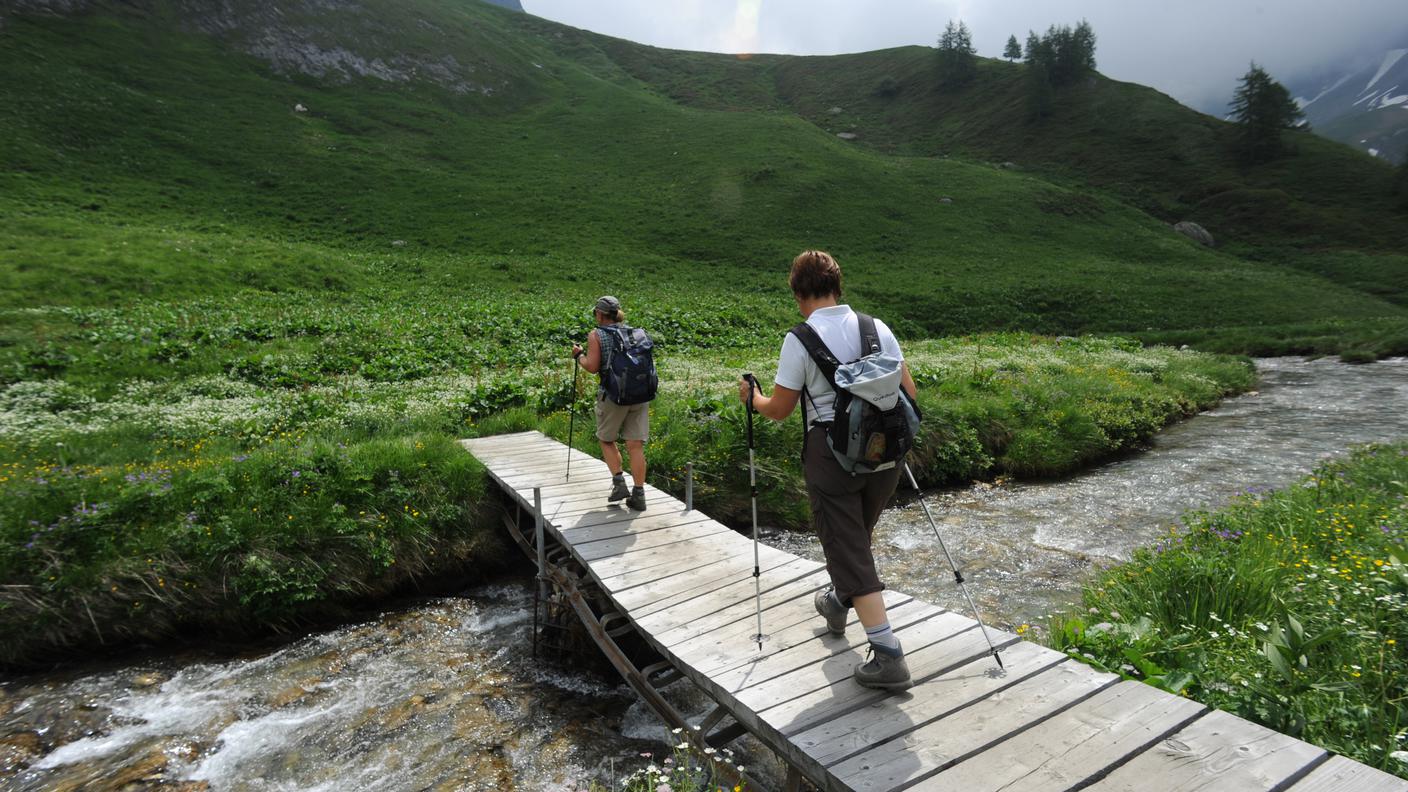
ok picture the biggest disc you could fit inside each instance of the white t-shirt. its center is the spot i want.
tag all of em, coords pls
(840, 331)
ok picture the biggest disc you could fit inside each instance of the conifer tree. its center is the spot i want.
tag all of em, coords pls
(1013, 50)
(1262, 108)
(1063, 56)
(958, 60)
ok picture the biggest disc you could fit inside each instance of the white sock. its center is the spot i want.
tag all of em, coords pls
(883, 638)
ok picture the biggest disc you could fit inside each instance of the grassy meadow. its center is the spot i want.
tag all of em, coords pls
(1289, 608)
(238, 338)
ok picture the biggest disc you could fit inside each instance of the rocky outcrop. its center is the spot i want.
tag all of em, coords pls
(333, 40)
(1195, 232)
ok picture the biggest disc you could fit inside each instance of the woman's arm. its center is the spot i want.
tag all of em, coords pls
(591, 356)
(777, 407)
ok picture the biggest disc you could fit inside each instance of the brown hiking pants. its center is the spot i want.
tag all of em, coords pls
(845, 509)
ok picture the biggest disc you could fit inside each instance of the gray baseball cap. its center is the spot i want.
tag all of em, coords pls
(608, 305)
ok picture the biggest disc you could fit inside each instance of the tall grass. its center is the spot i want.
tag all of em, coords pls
(200, 534)
(1289, 608)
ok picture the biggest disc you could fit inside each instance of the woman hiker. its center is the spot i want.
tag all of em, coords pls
(630, 422)
(844, 507)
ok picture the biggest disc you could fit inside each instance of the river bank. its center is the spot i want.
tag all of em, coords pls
(125, 526)
(1288, 608)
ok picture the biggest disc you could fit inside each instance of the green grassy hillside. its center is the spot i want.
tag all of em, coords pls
(1321, 202)
(143, 155)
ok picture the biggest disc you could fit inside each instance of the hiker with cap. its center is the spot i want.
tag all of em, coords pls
(847, 487)
(623, 358)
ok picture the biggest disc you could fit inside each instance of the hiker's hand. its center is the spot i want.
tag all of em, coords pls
(577, 351)
(745, 386)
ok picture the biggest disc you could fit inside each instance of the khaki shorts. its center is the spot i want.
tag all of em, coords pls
(627, 421)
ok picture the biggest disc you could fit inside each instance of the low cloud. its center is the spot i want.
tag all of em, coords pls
(1194, 50)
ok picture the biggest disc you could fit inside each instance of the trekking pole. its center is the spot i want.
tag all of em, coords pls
(753, 486)
(572, 414)
(957, 576)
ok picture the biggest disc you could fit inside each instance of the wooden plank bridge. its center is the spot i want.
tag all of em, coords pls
(682, 583)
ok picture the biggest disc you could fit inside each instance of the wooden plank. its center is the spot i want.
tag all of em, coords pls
(512, 440)
(834, 741)
(602, 516)
(799, 647)
(726, 580)
(692, 554)
(1217, 752)
(622, 580)
(512, 472)
(1082, 743)
(788, 624)
(557, 508)
(1346, 775)
(555, 453)
(580, 537)
(547, 468)
(629, 544)
(828, 689)
(932, 647)
(532, 453)
(924, 751)
(501, 439)
(711, 617)
(554, 487)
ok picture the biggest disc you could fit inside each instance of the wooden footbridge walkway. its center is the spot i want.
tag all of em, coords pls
(682, 583)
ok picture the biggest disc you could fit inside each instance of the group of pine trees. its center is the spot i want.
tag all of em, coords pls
(1261, 107)
(1060, 57)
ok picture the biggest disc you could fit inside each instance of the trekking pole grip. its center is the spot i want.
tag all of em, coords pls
(752, 388)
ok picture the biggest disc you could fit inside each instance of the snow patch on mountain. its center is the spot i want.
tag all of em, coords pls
(1390, 60)
(1304, 103)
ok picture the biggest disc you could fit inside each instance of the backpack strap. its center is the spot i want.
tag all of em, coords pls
(869, 337)
(609, 337)
(824, 360)
(819, 352)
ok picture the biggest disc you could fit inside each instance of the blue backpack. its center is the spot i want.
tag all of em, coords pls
(630, 376)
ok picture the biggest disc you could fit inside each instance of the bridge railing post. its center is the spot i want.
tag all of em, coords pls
(539, 543)
(689, 486)
(542, 590)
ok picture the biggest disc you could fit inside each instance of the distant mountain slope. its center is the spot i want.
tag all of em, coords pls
(1364, 104)
(1169, 160)
(363, 135)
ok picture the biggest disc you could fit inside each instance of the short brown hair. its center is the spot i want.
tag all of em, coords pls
(815, 274)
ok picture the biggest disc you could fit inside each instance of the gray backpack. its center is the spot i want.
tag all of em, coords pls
(875, 421)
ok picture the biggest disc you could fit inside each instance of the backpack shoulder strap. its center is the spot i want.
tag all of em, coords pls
(869, 336)
(818, 351)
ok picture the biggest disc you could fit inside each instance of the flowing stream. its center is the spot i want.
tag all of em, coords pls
(444, 695)
(1025, 548)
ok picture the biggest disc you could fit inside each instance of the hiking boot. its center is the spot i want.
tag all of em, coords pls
(884, 671)
(618, 491)
(637, 499)
(830, 607)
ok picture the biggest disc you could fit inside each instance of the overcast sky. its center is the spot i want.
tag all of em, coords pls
(1193, 50)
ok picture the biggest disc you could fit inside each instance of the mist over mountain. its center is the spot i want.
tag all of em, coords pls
(1362, 102)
